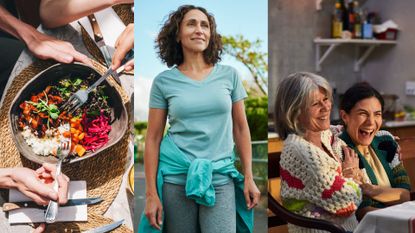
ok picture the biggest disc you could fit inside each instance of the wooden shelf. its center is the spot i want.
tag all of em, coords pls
(360, 56)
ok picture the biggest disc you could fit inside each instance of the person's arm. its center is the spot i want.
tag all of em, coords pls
(155, 129)
(123, 45)
(55, 13)
(242, 139)
(42, 46)
(371, 190)
(36, 185)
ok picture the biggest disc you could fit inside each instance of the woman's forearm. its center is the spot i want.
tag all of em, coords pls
(151, 157)
(155, 129)
(14, 26)
(404, 197)
(242, 137)
(55, 13)
(243, 144)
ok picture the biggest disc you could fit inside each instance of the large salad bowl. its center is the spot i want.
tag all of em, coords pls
(119, 119)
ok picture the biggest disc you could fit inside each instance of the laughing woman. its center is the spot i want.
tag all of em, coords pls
(313, 182)
(191, 182)
(361, 111)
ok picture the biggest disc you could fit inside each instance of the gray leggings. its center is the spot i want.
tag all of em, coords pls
(183, 215)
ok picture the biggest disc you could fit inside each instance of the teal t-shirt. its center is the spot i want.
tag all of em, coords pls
(199, 113)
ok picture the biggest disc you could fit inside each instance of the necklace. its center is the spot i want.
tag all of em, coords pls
(364, 150)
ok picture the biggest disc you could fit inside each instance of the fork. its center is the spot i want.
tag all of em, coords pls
(80, 97)
(63, 152)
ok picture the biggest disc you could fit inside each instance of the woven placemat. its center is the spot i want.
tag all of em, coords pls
(92, 47)
(125, 13)
(103, 172)
(93, 222)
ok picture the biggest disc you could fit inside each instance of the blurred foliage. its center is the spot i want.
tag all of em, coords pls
(140, 129)
(140, 126)
(256, 109)
(248, 53)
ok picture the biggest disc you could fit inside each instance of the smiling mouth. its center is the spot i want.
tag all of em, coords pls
(323, 118)
(366, 132)
(199, 39)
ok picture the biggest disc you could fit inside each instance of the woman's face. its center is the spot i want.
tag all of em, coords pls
(194, 32)
(363, 121)
(316, 117)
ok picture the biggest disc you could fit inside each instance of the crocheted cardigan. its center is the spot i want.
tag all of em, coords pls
(385, 148)
(312, 184)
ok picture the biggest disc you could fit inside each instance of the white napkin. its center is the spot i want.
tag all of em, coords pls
(110, 24)
(385, 26)
(77, 189)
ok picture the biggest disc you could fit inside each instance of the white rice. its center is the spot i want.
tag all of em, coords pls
(44, 146)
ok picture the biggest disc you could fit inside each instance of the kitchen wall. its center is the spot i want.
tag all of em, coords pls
(293, 24)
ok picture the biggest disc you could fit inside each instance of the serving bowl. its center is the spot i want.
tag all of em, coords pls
(119, 119)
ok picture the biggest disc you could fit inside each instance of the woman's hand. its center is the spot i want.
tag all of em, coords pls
(154, 211)
(350, 158)
(371, 190)
(47, 173)
(37, 185)
(123, 45)
(31, 184)
(46, 47)
(251, 193)
(350, 166)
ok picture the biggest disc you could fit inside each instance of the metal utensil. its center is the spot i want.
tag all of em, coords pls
(81, 96)
(105, 228)
(8, 206)
(99, 40)
(63, 152)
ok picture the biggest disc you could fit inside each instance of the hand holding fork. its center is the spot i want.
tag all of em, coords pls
(63, 151)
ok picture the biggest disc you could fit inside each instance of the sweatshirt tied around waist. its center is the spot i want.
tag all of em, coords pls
(199, 186)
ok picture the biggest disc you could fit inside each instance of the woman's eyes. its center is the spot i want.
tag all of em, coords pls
(193, 23)
(318, 102)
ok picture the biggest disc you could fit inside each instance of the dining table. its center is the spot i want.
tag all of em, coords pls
(393, 219)
(122, 205)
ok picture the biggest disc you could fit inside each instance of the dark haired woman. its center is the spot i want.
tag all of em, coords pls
(361, 111)
(191, 182)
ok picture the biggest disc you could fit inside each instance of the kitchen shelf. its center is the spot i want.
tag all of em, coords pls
(360, 56)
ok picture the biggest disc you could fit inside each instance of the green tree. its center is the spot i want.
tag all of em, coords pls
(256, 109)
(248, 53)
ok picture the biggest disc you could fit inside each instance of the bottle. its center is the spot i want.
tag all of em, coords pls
(345, 16)
(357, 31)
(337, 22)
(367, 30)
(351, 15)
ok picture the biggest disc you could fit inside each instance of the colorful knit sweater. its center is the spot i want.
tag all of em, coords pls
(312, 184)
(385, 148)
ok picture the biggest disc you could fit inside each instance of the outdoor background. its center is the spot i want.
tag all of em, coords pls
(244, 27)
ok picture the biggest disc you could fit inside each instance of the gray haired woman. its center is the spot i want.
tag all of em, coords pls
(312, 182)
